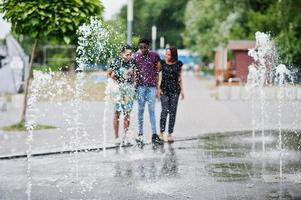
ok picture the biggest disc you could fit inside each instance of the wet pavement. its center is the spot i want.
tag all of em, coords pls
(199, 113)
(215, 166)
(201, 164)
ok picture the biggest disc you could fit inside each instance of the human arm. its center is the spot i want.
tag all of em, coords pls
(111, 70)
(110, 73)
(181, 85)
(134, 72)
(158, 66)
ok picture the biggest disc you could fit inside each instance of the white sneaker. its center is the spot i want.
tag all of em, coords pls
(117, 141)
(127, 140)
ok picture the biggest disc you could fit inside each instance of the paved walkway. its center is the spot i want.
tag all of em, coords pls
(216, 167)
(198, 114)
(228, 165)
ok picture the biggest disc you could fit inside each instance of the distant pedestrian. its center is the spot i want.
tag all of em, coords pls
(171, 87)
(148, 67)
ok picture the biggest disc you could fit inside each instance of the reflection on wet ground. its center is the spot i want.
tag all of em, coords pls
(217, 166)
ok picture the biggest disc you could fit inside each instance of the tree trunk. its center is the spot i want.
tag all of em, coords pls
(27, 83)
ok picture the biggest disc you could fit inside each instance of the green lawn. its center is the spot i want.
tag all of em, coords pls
(21, 127)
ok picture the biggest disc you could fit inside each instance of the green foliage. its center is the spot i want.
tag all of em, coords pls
(282, 20)
(50, 68)
(21, 127)
(135, 42)
(210, 23)
(206, 25)
(207, 71)
(167, 15)
(53, 55)
(292, 139)
(57, 19)
(288, 32)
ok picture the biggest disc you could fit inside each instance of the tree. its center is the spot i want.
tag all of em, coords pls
(210, 23)
(167, 15)
(46, 20)
(282, 20)
(207, 25)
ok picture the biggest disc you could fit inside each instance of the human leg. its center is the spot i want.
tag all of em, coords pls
(116, 123)
(151, 100)
(174, 98)
(164, 112)
(127, 109)
(126, 122)
(141, 90)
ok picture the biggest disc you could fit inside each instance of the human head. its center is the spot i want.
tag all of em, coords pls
(143, 45)
(126, 53)
(171, 54)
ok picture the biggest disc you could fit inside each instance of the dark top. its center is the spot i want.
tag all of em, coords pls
(170, 77)
(147, 68)
(123, 71)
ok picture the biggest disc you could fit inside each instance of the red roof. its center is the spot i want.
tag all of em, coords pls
(241, 44)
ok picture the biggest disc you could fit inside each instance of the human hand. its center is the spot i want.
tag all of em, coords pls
(158, 93)
(182, 95)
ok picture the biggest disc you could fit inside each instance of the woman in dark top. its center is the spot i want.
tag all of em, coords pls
(171, 87)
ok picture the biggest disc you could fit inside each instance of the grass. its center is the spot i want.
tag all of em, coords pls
(21, 127)
(45, 68)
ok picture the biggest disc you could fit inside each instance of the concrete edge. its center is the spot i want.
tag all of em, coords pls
(203, 136)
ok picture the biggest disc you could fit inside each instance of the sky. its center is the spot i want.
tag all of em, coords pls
(112, 7)
(4, 27)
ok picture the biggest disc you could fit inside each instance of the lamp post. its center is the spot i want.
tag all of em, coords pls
(154, 37)
(162, 42)
(130, 15)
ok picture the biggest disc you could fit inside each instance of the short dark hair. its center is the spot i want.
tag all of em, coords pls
(126, 47)
(144, 40)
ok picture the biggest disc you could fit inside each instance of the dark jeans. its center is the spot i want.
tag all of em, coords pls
(169, 105)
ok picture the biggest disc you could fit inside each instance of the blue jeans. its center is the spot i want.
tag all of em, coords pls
(146, 94)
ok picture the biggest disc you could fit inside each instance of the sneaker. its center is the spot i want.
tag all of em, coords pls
(156, 139)
(126, 140)
(161, 136)
(117, 141)
(140, 139)
(170, 138)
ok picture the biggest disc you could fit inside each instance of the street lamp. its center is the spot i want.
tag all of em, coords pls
(162, 42)
(130, 20)
(154, 37)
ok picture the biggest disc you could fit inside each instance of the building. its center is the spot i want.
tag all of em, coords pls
(240, 59)
(232, 61)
